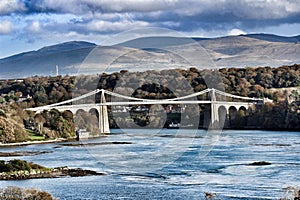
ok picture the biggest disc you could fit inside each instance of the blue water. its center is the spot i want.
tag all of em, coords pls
(168, 164)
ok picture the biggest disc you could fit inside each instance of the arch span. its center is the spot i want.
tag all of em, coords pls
(222, 112)
(232, 111)
(68, 114)
(94, 111)
(243, 108)
(77, 112)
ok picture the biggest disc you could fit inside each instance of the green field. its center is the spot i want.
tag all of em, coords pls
(34, 137)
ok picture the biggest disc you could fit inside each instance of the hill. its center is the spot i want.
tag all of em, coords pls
(44, 60)
(230, 51)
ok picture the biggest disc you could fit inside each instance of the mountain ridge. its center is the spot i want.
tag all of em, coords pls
(228, 51)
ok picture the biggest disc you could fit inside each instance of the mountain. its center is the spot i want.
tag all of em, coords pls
(254, 50)
(44, 60)
(154, 53)
(274, 38)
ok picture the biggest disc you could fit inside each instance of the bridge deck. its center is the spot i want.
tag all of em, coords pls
(137, 101)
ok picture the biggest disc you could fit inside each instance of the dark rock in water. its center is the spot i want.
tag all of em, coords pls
(81, 172)
(23, 153)
(260, 163)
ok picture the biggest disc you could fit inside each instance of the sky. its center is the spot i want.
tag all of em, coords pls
(32, 24)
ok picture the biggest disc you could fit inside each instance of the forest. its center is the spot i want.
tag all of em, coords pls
(280, 84)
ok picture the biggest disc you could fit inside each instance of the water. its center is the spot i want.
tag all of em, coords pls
(171, 165)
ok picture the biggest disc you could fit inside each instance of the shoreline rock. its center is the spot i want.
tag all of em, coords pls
(35, 142)
(23, 153)
(21, 169)
(58, 172)
(259, 163)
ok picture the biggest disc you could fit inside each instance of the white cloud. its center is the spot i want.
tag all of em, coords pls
(236, 31)
(108, 26)
(57, 21)
(6, 27)
(9, 6)
(34, 27)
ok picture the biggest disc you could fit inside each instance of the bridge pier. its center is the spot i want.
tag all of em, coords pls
(214, 121)
(103, 116)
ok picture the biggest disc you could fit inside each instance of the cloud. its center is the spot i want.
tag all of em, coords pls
(6, 27)
(103, 6)
(45, 20)
(11, 6)
(236, 31)
(34, 27)
(54, 6)
(107, 26)
(182, 15)
(242, 9)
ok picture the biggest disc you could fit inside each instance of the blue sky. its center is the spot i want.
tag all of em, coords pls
(31, 24)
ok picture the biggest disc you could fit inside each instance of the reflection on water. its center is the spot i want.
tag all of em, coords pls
(167, 165)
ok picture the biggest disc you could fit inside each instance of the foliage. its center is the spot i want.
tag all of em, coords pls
(11, 131)
(291, 193)
(261, 82)
(54, 124)
(14, 165)
(2, 113)
(16, 193)
(17, 165)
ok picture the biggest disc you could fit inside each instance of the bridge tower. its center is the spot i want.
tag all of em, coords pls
(103, 115)
(214, 121)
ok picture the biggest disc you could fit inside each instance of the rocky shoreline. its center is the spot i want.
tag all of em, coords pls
(21, 169)
(34, 142)
(49, 173)
(23, 153)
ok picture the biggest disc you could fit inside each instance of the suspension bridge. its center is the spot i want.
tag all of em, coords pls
(101, 107)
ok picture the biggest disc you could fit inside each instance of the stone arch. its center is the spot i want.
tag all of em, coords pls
(243, 108)
(79, 111)
(242, 117)
(68, 114)
(205, 115)
(93, 118)
(232, 112)
(70, 111)
(222, 112)
(232, 115)
(94, 111)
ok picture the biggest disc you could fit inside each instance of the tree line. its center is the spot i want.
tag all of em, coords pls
(279, 84)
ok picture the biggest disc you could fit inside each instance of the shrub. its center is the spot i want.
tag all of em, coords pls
(16, 193)
(19, 165)
(36, 166)
(291, 193)
(5, 167)
(2, 113)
